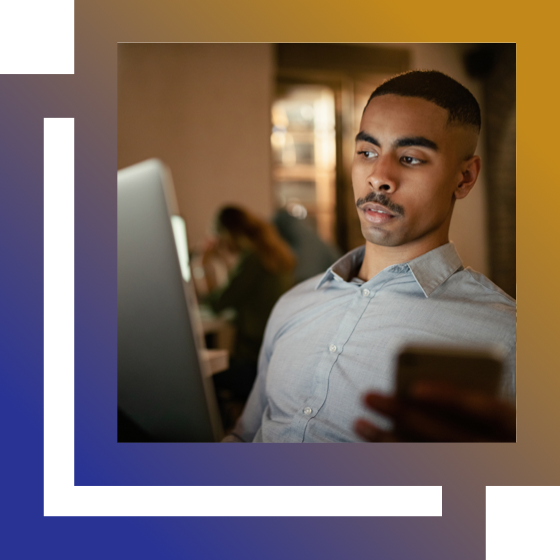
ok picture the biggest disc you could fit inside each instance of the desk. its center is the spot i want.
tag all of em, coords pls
(218, 330)
(222, 334)
(217, 360)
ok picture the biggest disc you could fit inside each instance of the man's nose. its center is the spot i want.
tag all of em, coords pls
(383, 175)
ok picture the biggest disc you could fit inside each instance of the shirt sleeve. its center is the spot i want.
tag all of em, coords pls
(508, 388)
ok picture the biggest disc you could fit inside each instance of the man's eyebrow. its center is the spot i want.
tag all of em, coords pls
(401, 142)
(367, 138)
(415, 141)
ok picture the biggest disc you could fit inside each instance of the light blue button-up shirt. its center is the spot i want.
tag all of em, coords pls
(333, 338)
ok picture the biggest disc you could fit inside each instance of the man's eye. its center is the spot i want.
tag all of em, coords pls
(409, 160)
(367, 154)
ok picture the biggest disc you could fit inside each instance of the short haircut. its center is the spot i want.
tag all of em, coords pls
(438, 88)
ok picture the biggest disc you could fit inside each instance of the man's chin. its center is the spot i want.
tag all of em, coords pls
(379, 236)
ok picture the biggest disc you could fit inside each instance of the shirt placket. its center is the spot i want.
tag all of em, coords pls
(334, 344)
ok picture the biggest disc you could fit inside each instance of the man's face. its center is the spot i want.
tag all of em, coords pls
(408, 169)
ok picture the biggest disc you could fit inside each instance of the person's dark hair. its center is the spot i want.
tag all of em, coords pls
(438, 88)
(273, 252)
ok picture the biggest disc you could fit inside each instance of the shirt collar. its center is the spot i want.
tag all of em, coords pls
(344, 268)
(433, 268)
(430, 270)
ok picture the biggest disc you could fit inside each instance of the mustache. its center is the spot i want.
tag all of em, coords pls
(384, 200)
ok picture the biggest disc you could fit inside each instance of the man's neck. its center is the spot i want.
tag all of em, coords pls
(379, 257)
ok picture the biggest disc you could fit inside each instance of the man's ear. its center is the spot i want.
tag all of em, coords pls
(469, 171)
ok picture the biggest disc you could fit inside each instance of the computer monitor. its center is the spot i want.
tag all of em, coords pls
(163, 384)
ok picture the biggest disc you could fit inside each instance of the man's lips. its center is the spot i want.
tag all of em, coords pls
(379, 203)
(376, 213)
(376, 208)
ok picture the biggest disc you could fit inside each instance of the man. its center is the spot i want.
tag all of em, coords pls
(333, 339)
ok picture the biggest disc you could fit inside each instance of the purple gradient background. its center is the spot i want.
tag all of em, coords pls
(89, 96)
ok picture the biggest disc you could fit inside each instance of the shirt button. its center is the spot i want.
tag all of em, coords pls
(307, 410)
(365, 292)
(332, 348)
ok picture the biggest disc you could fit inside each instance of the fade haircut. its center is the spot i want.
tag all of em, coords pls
(438, 88)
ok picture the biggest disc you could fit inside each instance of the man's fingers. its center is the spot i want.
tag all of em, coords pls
(418, 425)
(369, 432)
(381, 403)
(439, 412)
(470, 403)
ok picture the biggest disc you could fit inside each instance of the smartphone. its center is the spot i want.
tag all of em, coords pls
(469, 368)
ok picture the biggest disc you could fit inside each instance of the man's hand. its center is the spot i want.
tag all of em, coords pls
(441, 412)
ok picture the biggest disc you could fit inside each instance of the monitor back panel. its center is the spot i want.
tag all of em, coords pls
(161, 382)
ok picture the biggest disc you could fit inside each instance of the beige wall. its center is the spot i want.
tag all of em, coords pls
(204, 109)
(468, 227)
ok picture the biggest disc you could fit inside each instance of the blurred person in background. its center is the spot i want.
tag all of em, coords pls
(261, 268)
(314, 256)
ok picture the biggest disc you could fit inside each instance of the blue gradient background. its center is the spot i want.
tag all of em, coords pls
(90, 97)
